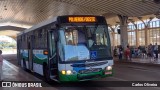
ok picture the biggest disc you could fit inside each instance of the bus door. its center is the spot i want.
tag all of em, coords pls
(53, 63)
(19, 51)
(30, 52)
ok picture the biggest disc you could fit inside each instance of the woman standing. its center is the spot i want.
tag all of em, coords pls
(127, 53)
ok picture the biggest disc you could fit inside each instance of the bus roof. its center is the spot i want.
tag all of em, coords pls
(39, 25)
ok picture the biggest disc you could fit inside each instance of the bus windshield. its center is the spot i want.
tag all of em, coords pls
(84, 42)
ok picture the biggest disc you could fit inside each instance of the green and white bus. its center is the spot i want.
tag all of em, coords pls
(67, 48)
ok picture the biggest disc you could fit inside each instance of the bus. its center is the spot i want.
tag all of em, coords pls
(67, 48)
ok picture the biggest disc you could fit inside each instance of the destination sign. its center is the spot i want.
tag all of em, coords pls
(82, 19)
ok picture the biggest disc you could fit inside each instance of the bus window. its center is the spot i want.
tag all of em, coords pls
(84, 39)
(68, 38)
(71, 37)
(81, 38)
(75, 37)
(101, 39)
(98, 36)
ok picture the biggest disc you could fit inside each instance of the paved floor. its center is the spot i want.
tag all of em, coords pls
(145, 60)
(122, 72)
(14, 73)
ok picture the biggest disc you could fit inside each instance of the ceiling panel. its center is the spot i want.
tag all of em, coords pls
(25, 13)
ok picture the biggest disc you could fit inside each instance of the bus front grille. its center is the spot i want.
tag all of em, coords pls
(85, 71)
(89, 64)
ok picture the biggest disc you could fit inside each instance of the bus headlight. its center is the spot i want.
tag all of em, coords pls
(63, 72)
(69, 72)
(109, 68)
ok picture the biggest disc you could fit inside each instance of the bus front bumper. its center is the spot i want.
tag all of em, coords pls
(86, 76)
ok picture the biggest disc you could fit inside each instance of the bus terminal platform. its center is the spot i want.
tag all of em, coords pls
(12, 72)
(140, 60)
(137, 69)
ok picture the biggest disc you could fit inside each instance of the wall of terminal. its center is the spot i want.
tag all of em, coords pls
(153, 34)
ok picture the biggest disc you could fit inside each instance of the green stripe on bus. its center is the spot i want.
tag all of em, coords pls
(39, 61)
(72, 77)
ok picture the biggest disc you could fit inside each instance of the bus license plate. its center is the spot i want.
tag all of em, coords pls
(108, 73)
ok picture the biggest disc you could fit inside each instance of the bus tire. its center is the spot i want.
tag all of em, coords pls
(46, 72)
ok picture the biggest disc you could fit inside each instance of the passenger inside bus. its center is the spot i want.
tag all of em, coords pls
(72, 37)
(69, 38)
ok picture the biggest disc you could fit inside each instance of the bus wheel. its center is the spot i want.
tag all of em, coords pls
(46, 73)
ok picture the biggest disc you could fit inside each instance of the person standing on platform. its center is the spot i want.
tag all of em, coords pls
(115, 51)
(150, 51)
(146, 52)
(1, 64)
(120, 52)
(156, 51)
(128, 53)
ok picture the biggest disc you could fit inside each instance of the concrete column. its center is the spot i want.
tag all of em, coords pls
(113, 42)
(112, 36)
(123, 28)
(113, 39)
(146, 36)
(113, 28)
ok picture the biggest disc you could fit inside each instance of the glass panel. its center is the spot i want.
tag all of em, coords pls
(154, 36)
(84, 42)
(71, 37)
(157, 24)
(132, 38)
(141, 38)
(129, 27)
(139, 26)
(117, 39)
(150, 24)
